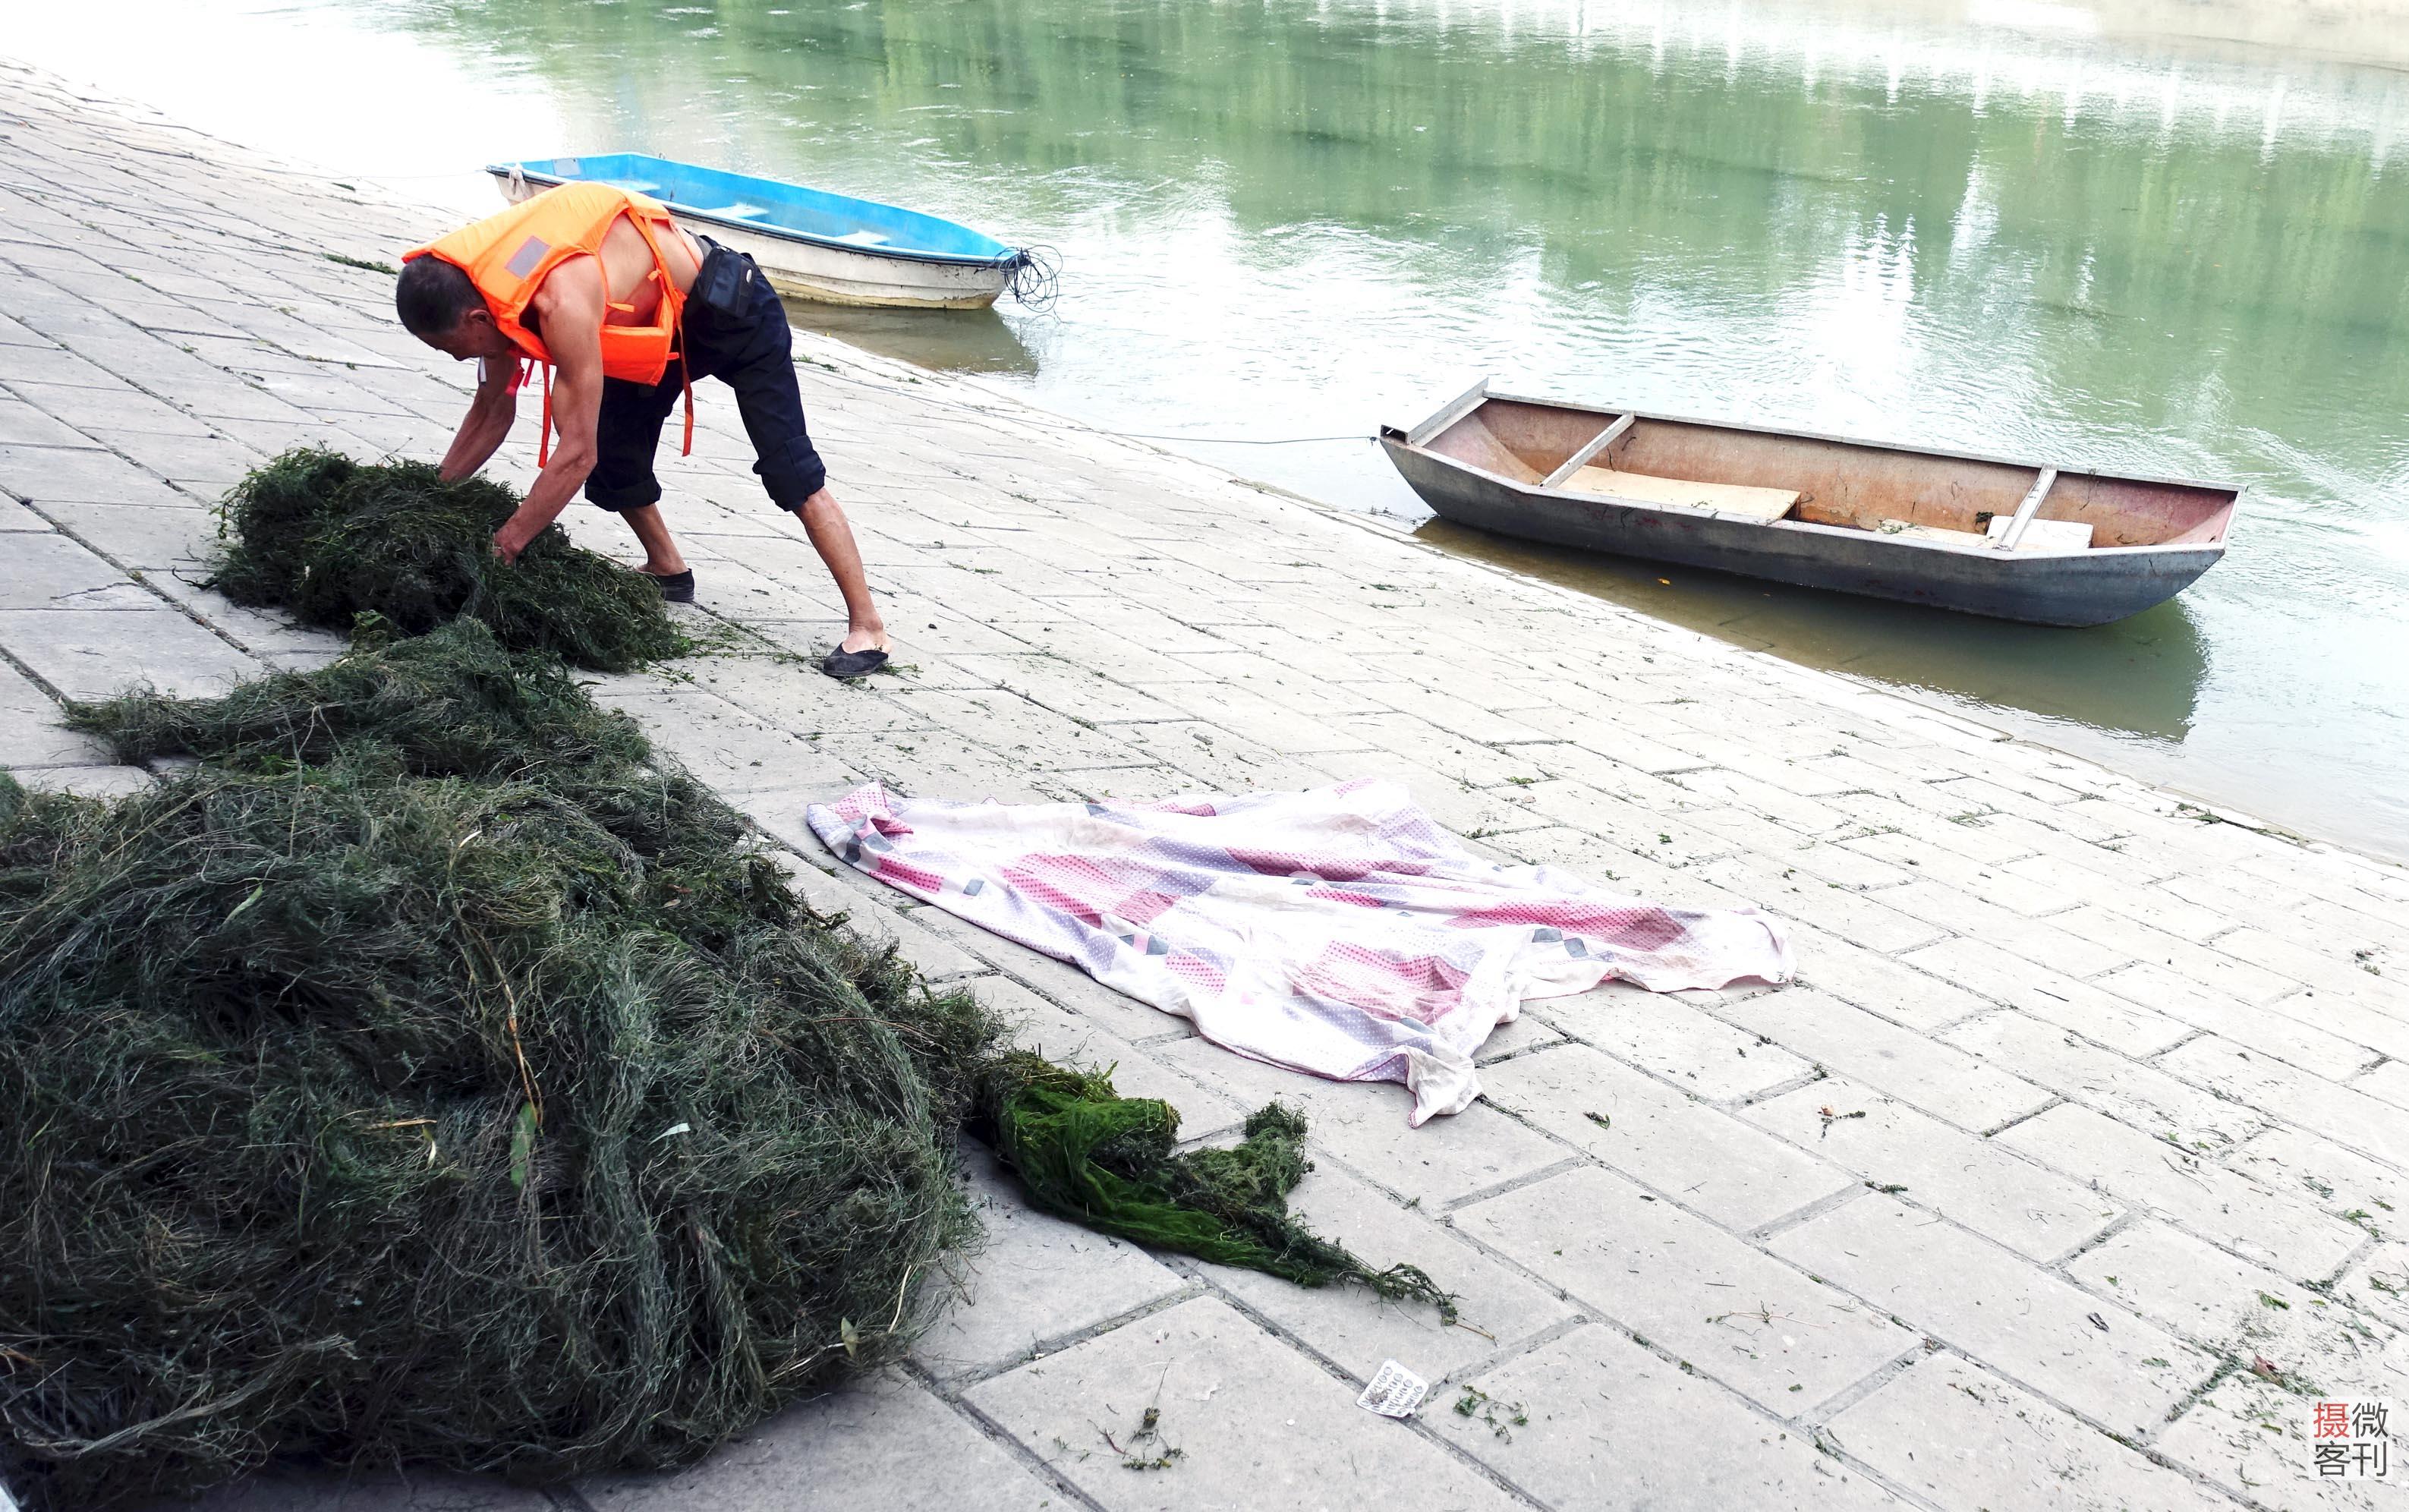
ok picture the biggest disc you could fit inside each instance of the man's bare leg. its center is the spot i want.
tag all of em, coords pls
(832, 538)
(661, 557)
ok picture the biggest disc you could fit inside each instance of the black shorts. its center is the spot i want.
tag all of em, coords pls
(752, 352)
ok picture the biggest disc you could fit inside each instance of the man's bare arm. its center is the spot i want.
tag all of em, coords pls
(571, 306)
(487, 424)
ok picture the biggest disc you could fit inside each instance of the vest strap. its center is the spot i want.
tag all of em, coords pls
(676, 302)
(686, 377)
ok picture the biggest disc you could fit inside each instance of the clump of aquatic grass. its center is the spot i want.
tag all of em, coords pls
(434, 1074)
(327, 539)
(449, 704)
(1083, 1152)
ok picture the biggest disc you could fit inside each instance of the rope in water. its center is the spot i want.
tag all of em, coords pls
(1034, 276)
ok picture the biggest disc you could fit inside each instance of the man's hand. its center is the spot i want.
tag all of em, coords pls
(489, 421)
(514, 537)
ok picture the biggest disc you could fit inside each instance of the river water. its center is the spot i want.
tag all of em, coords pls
(2138, 235)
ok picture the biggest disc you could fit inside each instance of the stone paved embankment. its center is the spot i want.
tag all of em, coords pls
(2083, 1102)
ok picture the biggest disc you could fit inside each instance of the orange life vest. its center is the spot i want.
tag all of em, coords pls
(507, 256)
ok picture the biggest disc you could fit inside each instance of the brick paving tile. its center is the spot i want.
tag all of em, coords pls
(1596, 1410)
(884, 1443)
(1257, 1423)
(1684, 1285)
(1969, 1441)
(2001, 1310)
(1979, 1183)
(2282, 1231)
(1661, 1136)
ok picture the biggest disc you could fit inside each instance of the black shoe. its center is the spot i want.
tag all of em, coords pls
(677, 587)
(849, 665)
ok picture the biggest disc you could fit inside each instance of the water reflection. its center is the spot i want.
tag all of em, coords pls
(2140, 677)
(947, 340)
(2080, 230)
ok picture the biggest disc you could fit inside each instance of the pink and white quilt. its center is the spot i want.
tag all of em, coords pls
(1337, 931)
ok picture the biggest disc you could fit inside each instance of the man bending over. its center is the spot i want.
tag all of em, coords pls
(599, 283)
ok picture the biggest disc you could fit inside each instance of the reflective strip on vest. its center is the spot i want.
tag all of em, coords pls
(528, 258)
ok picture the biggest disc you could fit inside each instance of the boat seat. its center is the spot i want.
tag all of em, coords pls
(1929, 532)
(738, 212)
(2046, 535)
(863, 238)
(1723, 498)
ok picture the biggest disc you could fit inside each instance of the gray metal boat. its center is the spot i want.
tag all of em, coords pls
(2014, 540)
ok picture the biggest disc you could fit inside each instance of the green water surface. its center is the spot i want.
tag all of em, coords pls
(2047, 231)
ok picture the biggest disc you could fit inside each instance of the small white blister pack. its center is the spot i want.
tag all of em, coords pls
(1394, 1392)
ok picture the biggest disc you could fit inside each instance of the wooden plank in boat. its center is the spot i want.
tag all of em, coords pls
(1723, 498)
(2045, 535)
(1590, 448)
(1931, 532)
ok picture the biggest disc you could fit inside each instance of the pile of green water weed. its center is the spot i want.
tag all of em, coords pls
(436, 1075)
(449, 704)
(1083, 1152)
(327, 539)
(433, 1073)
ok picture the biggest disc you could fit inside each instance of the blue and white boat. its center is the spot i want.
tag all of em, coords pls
(812, 244)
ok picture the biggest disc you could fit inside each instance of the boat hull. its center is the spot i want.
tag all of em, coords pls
(826, 275)
(2092, 587)
(810, 270)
